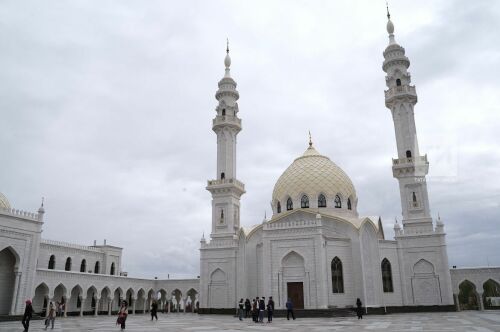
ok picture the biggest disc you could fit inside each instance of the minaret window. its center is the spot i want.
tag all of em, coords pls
(408, 154)
(67, 267)
(278, 207)
(337, 276)
(414, 196)
(222, 176)
(52, 262)
(398, 82)
(387, 276)
(304, 202)
(349, 206)
(321, 200)
(83, 266)
(221, 216)
(289, 204)
(223, 112)
(338, 202)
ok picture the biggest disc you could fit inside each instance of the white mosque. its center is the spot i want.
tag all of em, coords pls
(315, 249)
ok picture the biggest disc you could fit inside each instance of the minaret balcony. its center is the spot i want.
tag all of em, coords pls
(226, 120)
(411, 160)
(225, 185)
(400, 91)
(411, 167)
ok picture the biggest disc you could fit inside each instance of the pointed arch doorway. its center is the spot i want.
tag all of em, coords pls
(294, 276)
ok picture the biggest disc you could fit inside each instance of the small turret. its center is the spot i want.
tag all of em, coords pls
(41, 210)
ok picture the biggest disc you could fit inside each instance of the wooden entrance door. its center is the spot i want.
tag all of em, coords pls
(296, 294)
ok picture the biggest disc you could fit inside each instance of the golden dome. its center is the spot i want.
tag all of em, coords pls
(313, 174)
(4, 202)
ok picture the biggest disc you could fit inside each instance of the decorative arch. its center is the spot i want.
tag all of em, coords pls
(491, 291)
(97, 267)
(91, 298)
(337, 201)
(75, 298)
(321, 201)
(337, 275)
(468, 298)
(387, 276)
(52, 262)
(304, 202)
(423, 266)
(218, 275)
(292, 259)
(112, 269)
(41, 298)
(67, 266)
(8, 267)
(83, 266)
(289, 204)
(60, 293)
(129, 297)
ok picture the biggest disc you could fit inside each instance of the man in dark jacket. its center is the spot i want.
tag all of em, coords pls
(262, 308)
(270, 309)
(248, 306)
(289, 309)
(28, 313)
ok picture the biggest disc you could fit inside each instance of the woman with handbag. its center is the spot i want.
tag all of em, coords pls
(122, 315)
(51, 316)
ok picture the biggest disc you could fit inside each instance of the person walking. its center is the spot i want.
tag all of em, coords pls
(270, 309)
(359, 308)
(51, 317)
(262, 308)
(28, 313)
(248, 307)
(122, 315)
(241, 305)
(154, 310)
(289, 309)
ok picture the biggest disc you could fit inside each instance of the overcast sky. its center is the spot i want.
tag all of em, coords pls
(106, 110)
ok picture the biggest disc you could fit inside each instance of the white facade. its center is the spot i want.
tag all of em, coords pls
(315, 248)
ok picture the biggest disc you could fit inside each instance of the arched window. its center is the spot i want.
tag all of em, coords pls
(337, 276)
(398, 82)
(83, 266)
(289, 204)
(67, 267)
(408, 154)
(349, 206)
(52, 262)
(96, 268)
(278, 207)
(387, 276)
(224, 110)
(338, 202)
(304, 202)
(321, 200)
(414, 197)
(222, 216)
(112, 271)
(222, 176)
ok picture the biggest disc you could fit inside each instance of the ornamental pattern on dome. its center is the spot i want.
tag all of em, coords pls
(313, 174)
(4, 202)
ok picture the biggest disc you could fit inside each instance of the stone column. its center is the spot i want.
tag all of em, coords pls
(480, 300)
(110, 306)
(82, 304)
(133, 306)
(66, 305)
(96, 309)
(15, 292)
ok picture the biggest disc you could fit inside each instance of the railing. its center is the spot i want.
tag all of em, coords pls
(400, 90)
(226, 181)
(219, 244)
(226, 119)
(19, 213)
(292, 224)
(410, 160)
(70, 245)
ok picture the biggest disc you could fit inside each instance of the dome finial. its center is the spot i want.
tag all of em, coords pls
(388, 14)
(227, 59)
(227, 45)
(390, 26)
(310, 140)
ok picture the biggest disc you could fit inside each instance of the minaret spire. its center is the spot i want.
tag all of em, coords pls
(310, 140)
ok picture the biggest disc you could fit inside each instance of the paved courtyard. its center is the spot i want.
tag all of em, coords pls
(471, 321)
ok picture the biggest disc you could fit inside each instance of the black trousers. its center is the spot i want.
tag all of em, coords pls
(26, 323)
(269, 316)
(288, 312)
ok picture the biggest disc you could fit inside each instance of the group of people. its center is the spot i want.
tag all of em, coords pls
(28, 314)
(256, 309)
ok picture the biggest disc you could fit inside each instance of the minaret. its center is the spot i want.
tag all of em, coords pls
(226, 189)
(410, 168)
